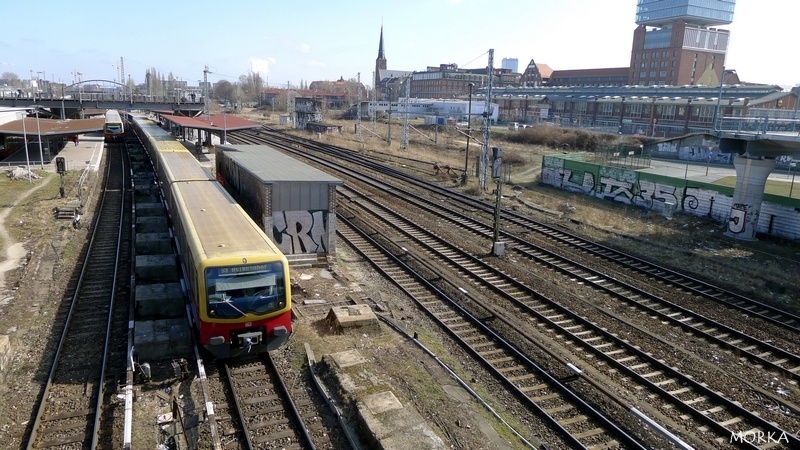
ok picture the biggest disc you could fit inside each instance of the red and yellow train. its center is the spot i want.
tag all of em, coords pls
(237, 279)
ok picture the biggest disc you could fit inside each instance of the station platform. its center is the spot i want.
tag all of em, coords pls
(88, 153)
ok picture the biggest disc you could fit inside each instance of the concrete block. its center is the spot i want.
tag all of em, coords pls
(144, 189)
(148, 209)
(389, 425)
(346, 359)
(153, 244)
(157, 340)
(153, 224)
(358, 317)
(160, 301)
(156, 268)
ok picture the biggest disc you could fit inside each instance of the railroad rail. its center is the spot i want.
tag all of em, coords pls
(577, 423)
(256, 408)
(688, 396)
(658, 273)
(647, 369)
(71, 406)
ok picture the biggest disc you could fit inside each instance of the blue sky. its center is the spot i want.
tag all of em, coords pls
(324, 40)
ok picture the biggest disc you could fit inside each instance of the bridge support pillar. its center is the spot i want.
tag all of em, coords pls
(751, 178)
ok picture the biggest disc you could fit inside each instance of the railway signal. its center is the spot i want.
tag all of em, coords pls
(61, 169)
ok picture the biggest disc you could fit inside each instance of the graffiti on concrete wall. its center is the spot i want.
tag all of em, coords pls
(653, 195)
(296, 232)
(627, 187)
(572, 180)
(743, 219)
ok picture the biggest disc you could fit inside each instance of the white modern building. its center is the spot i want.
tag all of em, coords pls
(429, 109)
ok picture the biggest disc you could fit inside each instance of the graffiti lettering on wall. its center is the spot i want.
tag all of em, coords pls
(743, 217)
(643, 193)
(300, 231)
(626, 187)
(574, 181)
(655, 195)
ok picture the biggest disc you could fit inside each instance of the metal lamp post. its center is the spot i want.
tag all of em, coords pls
(469, 132)
(25, 138)
(39, 134)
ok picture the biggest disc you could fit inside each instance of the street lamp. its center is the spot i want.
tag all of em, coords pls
(39, 134)
(25, 138)
(469, 132)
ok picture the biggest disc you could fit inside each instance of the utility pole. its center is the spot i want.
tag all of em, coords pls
(358, 107)
(404, 135)
(469, 133)
(483, 163)
(498, 248)
(389, 135)
(205, 92)
(122, 75)
(372, 105)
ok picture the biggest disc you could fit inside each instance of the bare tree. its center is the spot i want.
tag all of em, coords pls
(224, 90)
(9, 79)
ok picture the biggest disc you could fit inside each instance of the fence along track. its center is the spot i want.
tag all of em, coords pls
(69, 410)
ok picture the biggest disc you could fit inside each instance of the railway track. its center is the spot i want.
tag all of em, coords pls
(71, 407)
(451, 206)
(243, 403)
(694, 398)
(523, 224)
(256, 407)
(575, 421)
(527, 306)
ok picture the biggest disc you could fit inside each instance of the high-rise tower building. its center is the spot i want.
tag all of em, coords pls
(511, 64)
(674, 43)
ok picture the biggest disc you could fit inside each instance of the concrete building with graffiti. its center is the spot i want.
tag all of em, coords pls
(293, 202)
(623, 182)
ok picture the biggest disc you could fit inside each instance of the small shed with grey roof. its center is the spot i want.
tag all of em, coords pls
(293, 202)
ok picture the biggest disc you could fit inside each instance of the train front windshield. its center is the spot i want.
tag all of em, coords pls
(235, 291)
(114, 128)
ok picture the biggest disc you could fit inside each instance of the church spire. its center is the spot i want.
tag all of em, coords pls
(380, 65)
(381, 55)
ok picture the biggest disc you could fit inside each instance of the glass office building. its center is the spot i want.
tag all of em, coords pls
(657, 13)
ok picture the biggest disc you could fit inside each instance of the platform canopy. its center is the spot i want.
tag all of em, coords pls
(213, 123)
